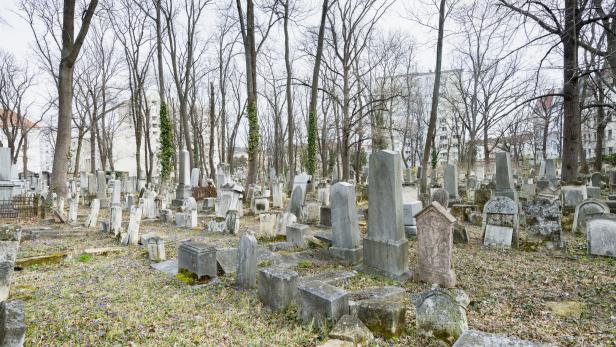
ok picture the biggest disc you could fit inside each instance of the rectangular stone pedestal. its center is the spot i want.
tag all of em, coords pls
(198, 258)
(389, 259)
(349, 255)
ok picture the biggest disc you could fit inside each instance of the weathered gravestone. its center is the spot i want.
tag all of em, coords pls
(585, 210)
(386, 246)
(156, 249)
(595, 179)
(474, 338)
(101, 191)
(441, 196)
(10, 236)
(435, 245)
(325, 216)
(232, 222)
(267, 224)
(500, 222)
(571, 196)
(183, 189)
(451, 181)
(93, 215)
(297, 201)
(321, 303)
(543, 222)
(601, 235)
(441, 313)
(194, 177)
(410, 210)
(198, 259)
(277, 195)
(131, 237)
(504, 177)
(346, 243)
(246, 274)
(277, 287)
(283, 220)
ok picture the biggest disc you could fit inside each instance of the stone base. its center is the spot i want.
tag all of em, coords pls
(277, 287)
(388, 259)
(349, 255)
(321, 303)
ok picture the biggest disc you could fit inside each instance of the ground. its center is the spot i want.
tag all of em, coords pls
(117, 299)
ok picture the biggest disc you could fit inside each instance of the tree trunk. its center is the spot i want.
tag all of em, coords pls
(78, 153)
(212, 131)
(571, 102)
(433, 111)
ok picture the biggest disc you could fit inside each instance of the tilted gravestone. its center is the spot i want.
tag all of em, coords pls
(297, 201)
(386, 246)
(435, 245)
(601, 235)
(571, 196)
(246, 274)
(500, 222)
(585, 210)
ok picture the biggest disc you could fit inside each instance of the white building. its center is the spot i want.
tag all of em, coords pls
(38, 150)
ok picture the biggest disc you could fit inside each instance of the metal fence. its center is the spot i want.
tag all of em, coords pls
(200, 193)
(20, 207)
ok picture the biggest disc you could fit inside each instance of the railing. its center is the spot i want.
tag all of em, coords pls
(200, 193)
(20, 207)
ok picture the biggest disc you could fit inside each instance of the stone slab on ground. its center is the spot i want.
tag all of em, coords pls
(383, 317)
(350, 328)
(320, 302)
(474, 338)
(277, 287)
(169, 267)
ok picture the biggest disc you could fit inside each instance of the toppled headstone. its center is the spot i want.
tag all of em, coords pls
(10, 236)
(441, 313)
(383, 317)
(93, 215)
(389, 293)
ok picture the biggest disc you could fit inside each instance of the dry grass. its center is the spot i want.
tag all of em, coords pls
(119, 300)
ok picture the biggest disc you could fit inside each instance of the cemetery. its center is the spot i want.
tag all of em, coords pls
(329, 173)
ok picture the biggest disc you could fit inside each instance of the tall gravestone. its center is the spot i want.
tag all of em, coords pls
(115, 213)
(246, 274)
(386, 246)
(345, 237)
(435, 245)
(500, 222)
(101, 191)
(183, 190)
(93, 215)
(297, 201)
(504, 177)
(451, 181)
(194, 177)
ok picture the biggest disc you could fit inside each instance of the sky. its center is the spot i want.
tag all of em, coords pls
(17, 37)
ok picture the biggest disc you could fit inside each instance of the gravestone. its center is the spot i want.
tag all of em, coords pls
(223, 175)
(92, 186)
(12, 324)
(571, 196)
(183, 189)
(593, 192)
(93, 214)
(10, 236)
(441, 313)
(156, 249)
(283, 220)
(346, 241)
(198, 259)
(302, 180)
(297, 201)
(550, 171)
(321, 303)
(411, 209)
(73, 206)
(116, 191)
(451, 181)
(277, 287)
(474, 338)
(595, 179)
(232, 222)
(435, 245)
(277, 195)
(385, 248)
(500, 222)
(543, 222)
(323, 193)
(101, 189)
(325, 216)
(115, 220)
(613, 182)
(246, 274)
(441, 196)
(504, 177)
(296, 233)
(601, 235)
(267, 223)
(585, 210)
(131, 237)
(408, 176)
(310, 212)
(194, 177)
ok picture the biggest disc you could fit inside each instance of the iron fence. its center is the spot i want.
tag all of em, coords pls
(20, 207)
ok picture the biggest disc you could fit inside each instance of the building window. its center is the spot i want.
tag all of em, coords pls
(609, 134)
(610, 150)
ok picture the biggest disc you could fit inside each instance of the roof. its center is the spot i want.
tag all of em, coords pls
(15, 119)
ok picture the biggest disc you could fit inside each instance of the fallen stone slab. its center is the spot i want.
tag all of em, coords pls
(325, 236)
(474, 338)
(280, 246)
(227, 260)
(329, 277)
(102, 250)
(351, 329)
(169, 267)
(337, 343)
(43, 259)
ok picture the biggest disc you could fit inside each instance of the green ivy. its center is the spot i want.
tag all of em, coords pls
(434, 158)
(166, 152)
(253, 130)
(311, 160)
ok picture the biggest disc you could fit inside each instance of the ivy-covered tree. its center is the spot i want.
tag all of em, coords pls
(166, 152)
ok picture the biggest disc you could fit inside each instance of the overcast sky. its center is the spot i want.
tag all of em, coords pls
(17, 38)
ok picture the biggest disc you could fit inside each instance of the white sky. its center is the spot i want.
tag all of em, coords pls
(17, 38)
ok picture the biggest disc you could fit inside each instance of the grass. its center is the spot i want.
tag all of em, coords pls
(564, 299)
